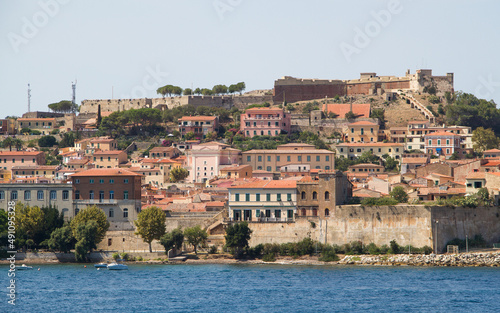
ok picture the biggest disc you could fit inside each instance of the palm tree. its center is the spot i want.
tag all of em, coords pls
(8, 142)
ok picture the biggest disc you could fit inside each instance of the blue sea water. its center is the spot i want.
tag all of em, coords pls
(253, 288)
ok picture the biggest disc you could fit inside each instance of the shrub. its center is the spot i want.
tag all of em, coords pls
(378, 201)
(116, 256)
(373, 249)
(395, 248)
(124, 256)
(212, 250)
(269, 258)
(255, 252)
(328, 254)
(384, 249)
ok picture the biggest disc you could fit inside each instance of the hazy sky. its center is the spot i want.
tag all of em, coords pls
(133, 47)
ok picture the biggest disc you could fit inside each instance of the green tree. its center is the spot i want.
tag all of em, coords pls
(150, 224)
(380, 115)
(173, 239)
(47, 141)
(29, 220)
(18, 143)
(237, 237)
(484, 139)
(86, 235)
(188, 92)
(64, 106)
(391, 164)
(91, 213)
(68, 140)
(219, 89)
(206, 92)
(399, 194)
(189, 136)
(350, 115)
(240, 87)
(178, 174)
(211, 136)
(62, 239)
(197, 91)
(8, 142)
(195, 236)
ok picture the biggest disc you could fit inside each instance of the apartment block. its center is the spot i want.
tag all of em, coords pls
(265, 122)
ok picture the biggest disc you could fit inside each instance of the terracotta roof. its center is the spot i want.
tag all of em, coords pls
(413, 160)
(491, 163)
(360, 123)
(113, 152)
(105, 172)
(198, 118)
(372, 144)
(439, 134)
(20, 153)
(37, 119)
(275, 184)
(320, 151)
(105, 140)
(255, 184)
(476, 175)
(439, 175)
(366, 165)
(340, 109)
(492, 151)
(39, 167)
(161, 149)
(262, 110)
(235, 168)
(418, 122)
(437, 190)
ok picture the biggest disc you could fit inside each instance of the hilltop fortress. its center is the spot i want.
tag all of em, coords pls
(292, 89)
(288, 89)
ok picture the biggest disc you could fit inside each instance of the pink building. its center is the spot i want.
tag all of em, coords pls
(264, 122)
(444, 143)
(9, 159)
(199, 125)
(205, 160)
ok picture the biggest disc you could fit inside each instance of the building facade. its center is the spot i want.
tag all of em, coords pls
(204, 161)
(8, 159)
(199, 125)
(110, 159)
(354, 150)
(264, 122)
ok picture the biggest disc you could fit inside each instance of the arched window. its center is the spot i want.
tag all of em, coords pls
(91, 194)
(327, 195)
(327, 212)
(303, 195)
(315, 195)
(315, 212)
(125, 213)
(303, 212)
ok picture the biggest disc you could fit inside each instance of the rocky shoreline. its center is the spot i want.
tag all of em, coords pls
(477, 259)
(463, 259)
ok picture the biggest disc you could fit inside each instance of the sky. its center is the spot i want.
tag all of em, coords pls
(127, 49)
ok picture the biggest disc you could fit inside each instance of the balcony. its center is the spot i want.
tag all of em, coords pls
(261, 220)
(95, 201)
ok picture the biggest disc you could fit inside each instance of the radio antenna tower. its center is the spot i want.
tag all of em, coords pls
(29, 98)
(73, 99)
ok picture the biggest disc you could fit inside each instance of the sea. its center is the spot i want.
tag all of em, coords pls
(252, 288)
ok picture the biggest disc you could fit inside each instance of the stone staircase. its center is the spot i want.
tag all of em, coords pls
(414, 103)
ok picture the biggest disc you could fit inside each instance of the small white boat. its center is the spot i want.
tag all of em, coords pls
(117, 266)
(24, 267)
(101, 265)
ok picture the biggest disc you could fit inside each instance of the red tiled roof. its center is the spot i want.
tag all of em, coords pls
(361, 123)
(476, 175)
(492, 151)
(20, 153)
(372, 144)
(198, 118)
(37, 119)
(340, 109)
(105, 172)
(264, 110)
(439, 134)
(113, 152)
(414, 160)
(418, 122)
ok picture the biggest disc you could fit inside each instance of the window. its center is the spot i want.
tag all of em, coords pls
(247, 197)
(125, 195)
(237, 197)
(111, 194)
(101, 181)
(268, 158)
(39, 195)
(288, 197)
(111, 181)
(327, 168)
(327, 195)
(299, 158)
(303, 195)
(259, 158)
(65, 195)
(2, 195)
(249, 158)
(257, 197)
(308, 158)
(315, 195)
(268, 197)
(91, 194)
(27, 195)
(111, 213)
(327, 158)
(317, 158)
(327, 212)
(53, 195)
(447, 142)
(125, 213)
(352, 130)
(77, 194)
(439, 142)
(268, 168)
(277, 158)
(125, 181)
(288, 158)
(77, 181)
(13, 195)
(278, 197)
(430, 142)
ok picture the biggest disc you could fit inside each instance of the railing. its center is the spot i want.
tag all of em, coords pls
(260, 220)
(96, 201)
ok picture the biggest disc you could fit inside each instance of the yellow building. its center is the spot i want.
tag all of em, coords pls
(354, 150)
(362, 131)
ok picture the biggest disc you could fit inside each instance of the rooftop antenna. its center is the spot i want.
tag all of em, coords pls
(73, 99)
(29, 98)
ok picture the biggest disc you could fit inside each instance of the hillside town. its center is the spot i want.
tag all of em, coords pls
(373, 160)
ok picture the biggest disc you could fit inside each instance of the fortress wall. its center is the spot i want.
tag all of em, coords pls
(407, 224)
